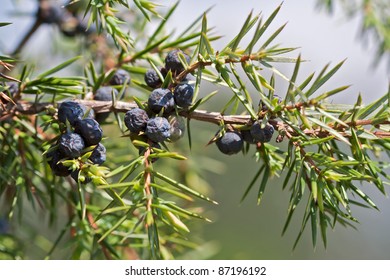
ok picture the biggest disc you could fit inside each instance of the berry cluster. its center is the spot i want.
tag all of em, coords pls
(85, 132)
(157, 122)
(232, 141)
(105, 93)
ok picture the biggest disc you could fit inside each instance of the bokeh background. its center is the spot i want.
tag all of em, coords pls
(248, 231)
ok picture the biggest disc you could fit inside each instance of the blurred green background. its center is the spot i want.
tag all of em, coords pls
(248, 231)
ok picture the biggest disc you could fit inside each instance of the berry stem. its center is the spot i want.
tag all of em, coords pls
(148, 181)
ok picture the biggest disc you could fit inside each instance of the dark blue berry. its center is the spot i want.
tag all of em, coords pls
(136, 120)
(101, 117)
(104, 94)
(120, 77)
(98, 155)
(161, 98)
(70, 111)
(71, 145)
(268, 132)
(230, 143)
(173, 63)
(87, 112)
(262, 135)
(90, 130)
(247, 136)
(183, 95)
(157, 129)
(152, 79)
(53, 158)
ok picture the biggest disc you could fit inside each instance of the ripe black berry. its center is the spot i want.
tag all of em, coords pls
(57, 167)
(152, 79)
(90, 130)
(104, 94)
(159, 99)
(183, 95)
(262, 134)
(173, 63)
(247, 136)
(120, 77)
(136, 120)
(157, 129)
(70, 111)
(98, 155)
(71, 145)
(230, 143)
(87, 112)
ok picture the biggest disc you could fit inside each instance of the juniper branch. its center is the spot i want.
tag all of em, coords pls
(210, 117)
